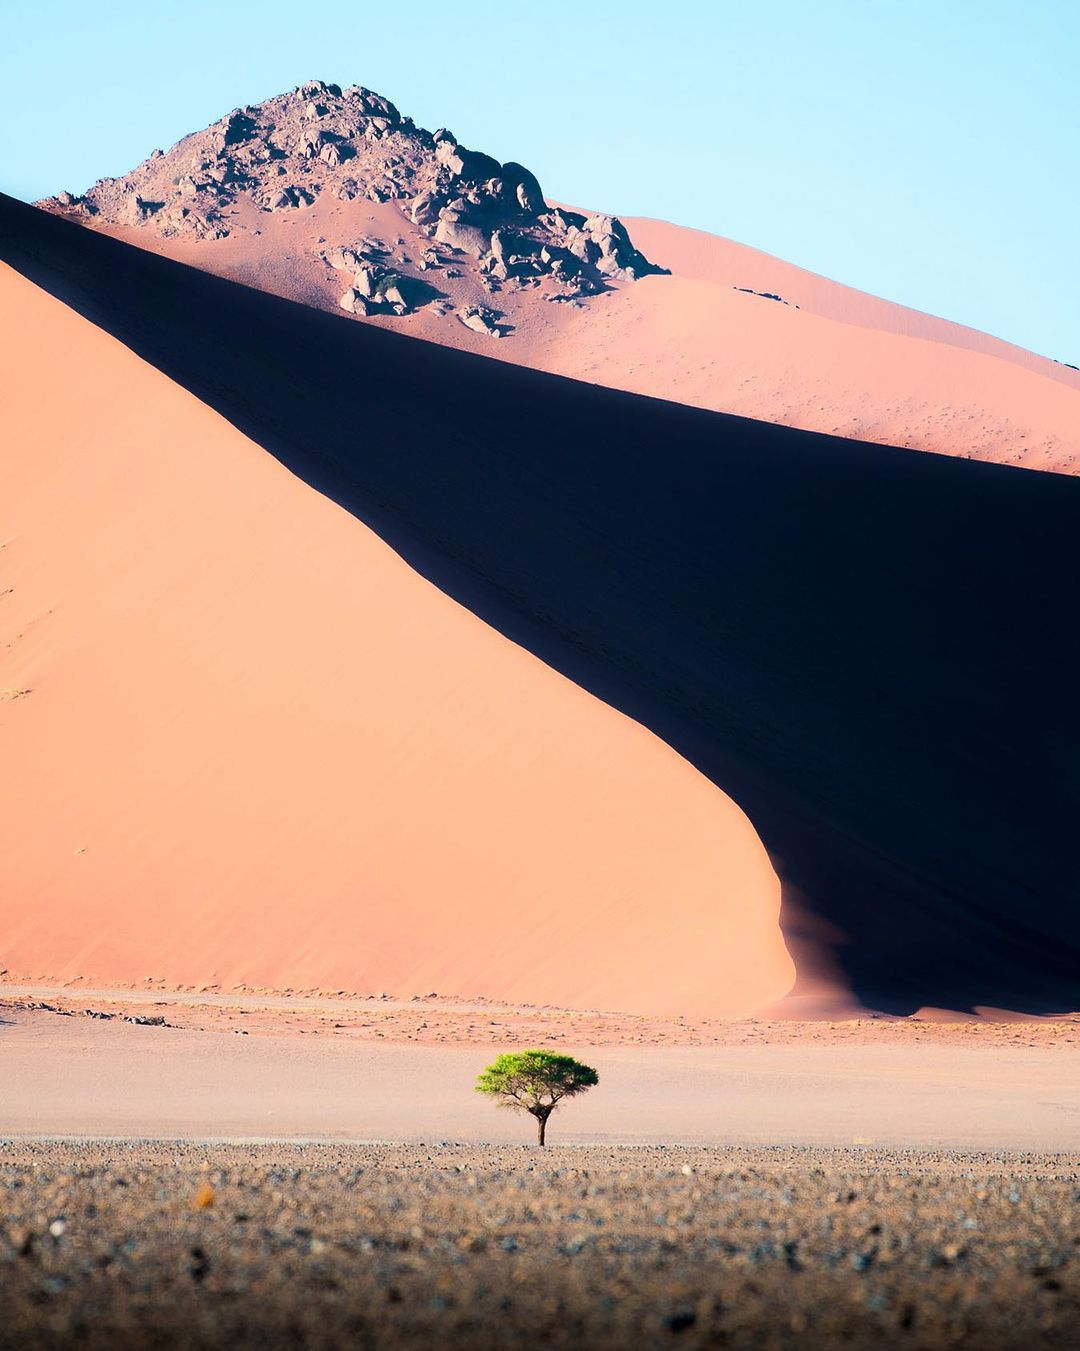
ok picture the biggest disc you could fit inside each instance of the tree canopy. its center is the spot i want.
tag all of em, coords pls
(535, 1082)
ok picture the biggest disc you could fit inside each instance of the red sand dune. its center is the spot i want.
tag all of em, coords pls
(868, 649)
(319, 191)
(698, 256)
(245, 742)
(843, 362)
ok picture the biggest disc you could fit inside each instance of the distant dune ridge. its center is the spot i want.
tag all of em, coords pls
(331, 197)
(871, 651)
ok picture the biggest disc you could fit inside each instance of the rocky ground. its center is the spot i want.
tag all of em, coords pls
(115, 1245)
(461, 211)
(434, 1019)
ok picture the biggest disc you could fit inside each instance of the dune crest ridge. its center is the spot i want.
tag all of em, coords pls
(331, 197)
(866, 648)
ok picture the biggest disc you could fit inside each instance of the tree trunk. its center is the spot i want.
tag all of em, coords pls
(541, 1128)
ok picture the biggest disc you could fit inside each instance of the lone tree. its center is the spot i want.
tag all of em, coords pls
(535, 1082)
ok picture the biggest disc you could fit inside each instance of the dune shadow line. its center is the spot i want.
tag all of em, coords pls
(873, 650)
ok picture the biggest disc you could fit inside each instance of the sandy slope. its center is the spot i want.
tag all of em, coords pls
(698, 256)
(710, 345)
(832, 359)
(243, 740)
(867, 648)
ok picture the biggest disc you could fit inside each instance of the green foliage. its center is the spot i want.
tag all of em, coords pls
(535, 1082)
(387, 282)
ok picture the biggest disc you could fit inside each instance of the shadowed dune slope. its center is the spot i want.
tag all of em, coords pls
(831, 359)
(875, 654)
(245, 742)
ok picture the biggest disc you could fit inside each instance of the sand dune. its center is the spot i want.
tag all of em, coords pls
(708, 344)
(696, 255)
(870, 651)
(833, 359)
(320, 190)
(243, 741)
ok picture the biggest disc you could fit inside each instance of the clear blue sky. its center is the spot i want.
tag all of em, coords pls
(924, 150)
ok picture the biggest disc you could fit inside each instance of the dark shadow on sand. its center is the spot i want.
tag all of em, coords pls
(874, 651)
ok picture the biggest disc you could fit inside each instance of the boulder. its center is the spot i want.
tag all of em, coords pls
(355, 303)
(392, 294)
(581, 246)
(526, 188)
(471, 165)
(345, 260)
(608, 231)
(313, 88)
(610, 267)
(480, 320)
(617, 256)
(477, 167)
(561, 262)
(289, 196)
(365, 280)
(446, 152)
(460, 235)
(563, 221)
(382, 108)
(502, 251)
(425, 208)
(239, 127)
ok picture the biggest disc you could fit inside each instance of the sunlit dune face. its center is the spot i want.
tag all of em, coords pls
(244, 742)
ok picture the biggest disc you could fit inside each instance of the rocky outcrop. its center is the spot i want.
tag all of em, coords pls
(480, 320)
(355, 302)
(376, 287)
(477, 214)
(463, 235)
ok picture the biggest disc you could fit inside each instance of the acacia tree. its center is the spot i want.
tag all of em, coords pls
(535, 1082)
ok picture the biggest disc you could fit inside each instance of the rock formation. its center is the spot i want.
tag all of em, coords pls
(285, 154)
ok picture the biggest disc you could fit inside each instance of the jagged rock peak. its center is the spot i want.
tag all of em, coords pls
(285, 153)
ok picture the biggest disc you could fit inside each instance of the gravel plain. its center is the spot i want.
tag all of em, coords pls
(182, 1245)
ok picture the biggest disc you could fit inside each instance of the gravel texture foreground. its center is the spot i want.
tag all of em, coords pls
(106, 1244)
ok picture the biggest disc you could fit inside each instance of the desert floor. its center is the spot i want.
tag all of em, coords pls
(116, 1244)
(258, 1066)
(245, 1065)
(300, 1170)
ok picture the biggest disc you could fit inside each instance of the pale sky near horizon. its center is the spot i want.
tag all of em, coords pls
(920, 150)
